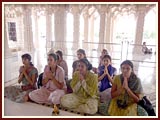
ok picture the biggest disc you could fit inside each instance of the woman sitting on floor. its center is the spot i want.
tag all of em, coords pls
(105, 76)
(80, 55)
(27, 76)
(126, 92)
(54, 85)
(84, 85)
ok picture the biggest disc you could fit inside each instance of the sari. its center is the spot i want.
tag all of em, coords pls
(124, 105)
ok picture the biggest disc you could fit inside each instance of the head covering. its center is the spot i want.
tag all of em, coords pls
(87, 63)
(128, 62)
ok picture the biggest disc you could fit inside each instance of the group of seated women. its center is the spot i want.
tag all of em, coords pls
(90, 90)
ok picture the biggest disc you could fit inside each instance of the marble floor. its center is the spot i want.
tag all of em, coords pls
(145, 67)
(30, 109)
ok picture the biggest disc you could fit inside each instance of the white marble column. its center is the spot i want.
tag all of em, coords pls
(108, 32)
(139, 28)
(76, 28)
(36, 30)
(28, 34)
(101, 30)
(91, 32)
(84, 44)
(112, 31)
(48, 28)
(60, 28)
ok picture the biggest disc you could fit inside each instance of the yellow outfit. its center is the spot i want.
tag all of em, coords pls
(84, 96)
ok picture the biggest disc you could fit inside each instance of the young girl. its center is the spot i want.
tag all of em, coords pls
(27, 76)
(105, 77)
(54, 85)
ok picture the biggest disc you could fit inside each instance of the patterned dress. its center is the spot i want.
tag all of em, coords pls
(130, 108)
(17, 93)
(84, 96)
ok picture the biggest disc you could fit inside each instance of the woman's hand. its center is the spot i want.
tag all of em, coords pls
(24, 69)
(106, 71)
(125, 83)
(49, 75)
(81, 77)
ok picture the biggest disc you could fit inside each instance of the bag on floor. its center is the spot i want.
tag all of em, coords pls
(39, 82)
(147, 105)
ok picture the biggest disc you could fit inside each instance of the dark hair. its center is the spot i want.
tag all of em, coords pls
(107, 56)
(27, 56)
(54, 56)
(82, 51)
(87, 63)
(128, 62)
(59, 53)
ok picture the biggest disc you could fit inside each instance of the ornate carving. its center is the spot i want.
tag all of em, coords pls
(12, 11)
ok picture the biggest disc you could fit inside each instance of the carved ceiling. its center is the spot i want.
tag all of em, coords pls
(16, 10)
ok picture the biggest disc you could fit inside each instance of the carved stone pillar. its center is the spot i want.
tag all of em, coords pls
(28, 34)
(36, 30)
(84, 44)
(60, 28)
(101, 30)
(76, 27)
(139, 28)
(91, 32)
(108, 32)
(48, 28)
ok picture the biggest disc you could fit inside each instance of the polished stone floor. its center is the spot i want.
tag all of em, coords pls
(145, 66)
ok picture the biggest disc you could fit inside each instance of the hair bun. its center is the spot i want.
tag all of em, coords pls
(90, 66)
